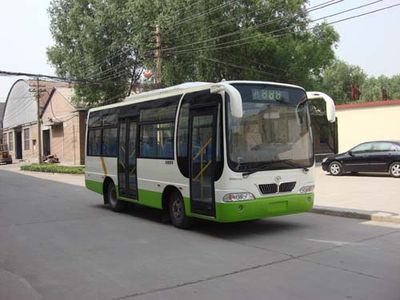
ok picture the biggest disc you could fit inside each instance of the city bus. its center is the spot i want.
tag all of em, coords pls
(227, 152)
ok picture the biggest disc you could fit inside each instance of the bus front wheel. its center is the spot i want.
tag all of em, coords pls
(111, 198)
(177, 214)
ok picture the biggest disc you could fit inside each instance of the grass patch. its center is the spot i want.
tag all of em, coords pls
(54, 168)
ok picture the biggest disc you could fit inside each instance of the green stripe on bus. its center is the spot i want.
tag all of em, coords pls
(263, 207)
(94, 186)
(150, 198)
(229, 212)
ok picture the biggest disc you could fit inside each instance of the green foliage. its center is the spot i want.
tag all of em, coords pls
(53, 168)
(338, 78)
(92, 44)
(371, 89)
(206, 40)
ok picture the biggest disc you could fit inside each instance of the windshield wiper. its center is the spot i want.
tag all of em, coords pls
(264, 166)
(289, 162)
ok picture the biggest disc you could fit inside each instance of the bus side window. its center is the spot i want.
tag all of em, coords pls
(109, 142)
(94, 142)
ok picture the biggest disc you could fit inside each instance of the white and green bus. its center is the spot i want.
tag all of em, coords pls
(228, 151)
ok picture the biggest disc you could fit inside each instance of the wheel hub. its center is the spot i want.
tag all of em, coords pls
(396, 170)
(177, 209)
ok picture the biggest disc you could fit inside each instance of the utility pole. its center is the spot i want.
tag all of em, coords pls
(38, 92)
(158, 56)
(39, 121)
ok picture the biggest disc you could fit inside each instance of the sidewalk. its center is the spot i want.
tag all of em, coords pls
(372, 197)
(369, 197)
(65, 178)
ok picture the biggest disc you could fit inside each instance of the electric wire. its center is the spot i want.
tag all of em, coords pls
(235, 43)
(265, 24)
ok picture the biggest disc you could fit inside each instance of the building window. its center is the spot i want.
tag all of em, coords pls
(5, 139)
(11, 141)
(26, 139)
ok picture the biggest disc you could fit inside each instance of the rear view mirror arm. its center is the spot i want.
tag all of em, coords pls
(329, 104)
(234, 96)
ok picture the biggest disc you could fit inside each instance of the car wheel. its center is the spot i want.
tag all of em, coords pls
(111, 198)
(177, 214)
(335, 168)
(394, 169)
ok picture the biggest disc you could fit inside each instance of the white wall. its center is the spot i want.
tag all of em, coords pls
(20, 106)
(357, 125)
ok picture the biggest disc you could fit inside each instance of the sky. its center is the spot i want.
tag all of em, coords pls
(370, 42)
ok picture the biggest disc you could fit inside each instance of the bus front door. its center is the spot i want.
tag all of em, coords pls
(127, 176)
(202, 162)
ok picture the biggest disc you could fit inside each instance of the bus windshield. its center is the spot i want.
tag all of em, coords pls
(274, 132)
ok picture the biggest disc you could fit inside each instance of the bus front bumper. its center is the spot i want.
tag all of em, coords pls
(263, 207)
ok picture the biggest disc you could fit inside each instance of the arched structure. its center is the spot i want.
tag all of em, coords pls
(63, 125)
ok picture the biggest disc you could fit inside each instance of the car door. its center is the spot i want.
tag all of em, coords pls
(358, 160)
(380, 157)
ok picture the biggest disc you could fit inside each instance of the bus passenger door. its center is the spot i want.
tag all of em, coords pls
(202, 162)
(127, 149)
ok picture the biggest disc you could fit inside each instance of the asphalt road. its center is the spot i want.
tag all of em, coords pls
(58, 242)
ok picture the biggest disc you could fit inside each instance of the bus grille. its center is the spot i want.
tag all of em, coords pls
(287, 187)
(273, 188)
(269, 188)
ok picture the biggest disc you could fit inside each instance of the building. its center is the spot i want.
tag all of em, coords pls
(63, 124)
(63, 127)
(2, 105)
(369, 121)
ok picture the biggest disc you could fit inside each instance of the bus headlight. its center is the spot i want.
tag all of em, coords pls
(233, 197)
(307, 189)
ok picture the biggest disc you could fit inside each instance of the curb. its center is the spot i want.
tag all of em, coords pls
(357, 214)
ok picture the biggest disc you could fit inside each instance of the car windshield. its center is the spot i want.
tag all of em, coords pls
(274, 132)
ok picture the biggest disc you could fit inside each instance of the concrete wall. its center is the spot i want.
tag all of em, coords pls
(65, 125)
(369, 121)
(28, 155)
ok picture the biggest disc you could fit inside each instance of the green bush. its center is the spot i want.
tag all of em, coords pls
(53, 168)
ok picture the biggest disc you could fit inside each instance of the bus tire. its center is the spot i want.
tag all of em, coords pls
(111, 199)
(176, 208)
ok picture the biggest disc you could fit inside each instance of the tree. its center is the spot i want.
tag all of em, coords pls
(373, 86)
(205, 40)
(338, 79)
(92, 45)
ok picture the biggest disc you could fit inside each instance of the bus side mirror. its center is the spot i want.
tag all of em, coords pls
(234, 96)
(329, 104)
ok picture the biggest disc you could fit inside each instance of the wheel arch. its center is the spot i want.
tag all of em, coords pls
(165, 195)
(106, 182)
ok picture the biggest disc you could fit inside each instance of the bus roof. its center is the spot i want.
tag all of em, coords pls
(184, 88)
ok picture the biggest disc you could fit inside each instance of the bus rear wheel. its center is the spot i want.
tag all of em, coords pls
(111, 198)
(176, 208)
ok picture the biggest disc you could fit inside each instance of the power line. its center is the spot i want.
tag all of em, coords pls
(234, 43)
(204, 13)
(243, 29)
(238, 66)
(310, 9)
(127, 64)
(9, 73)
(364, 14)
